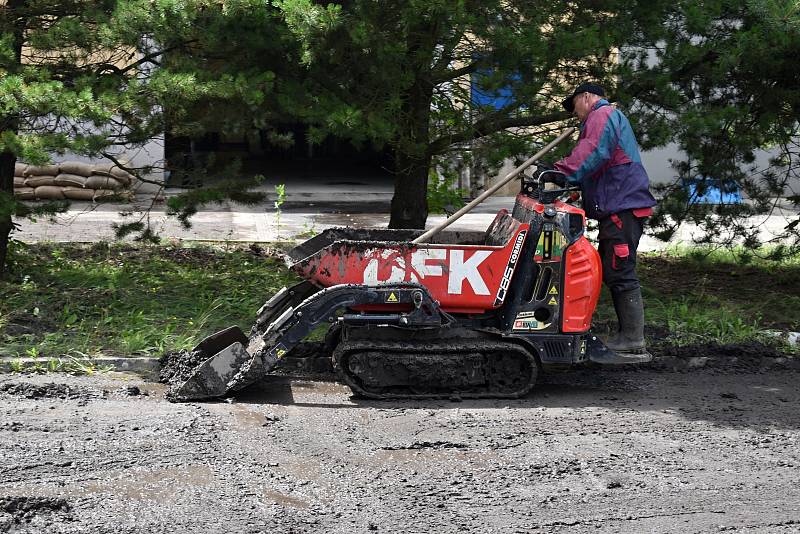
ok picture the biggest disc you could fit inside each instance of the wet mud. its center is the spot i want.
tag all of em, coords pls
(588, 450)
(178, 366)
(51, 390)
(735, 356)
(17, 511)
(312, 360)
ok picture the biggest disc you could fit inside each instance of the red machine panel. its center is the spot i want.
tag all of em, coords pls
(582, 279)
(463, 278)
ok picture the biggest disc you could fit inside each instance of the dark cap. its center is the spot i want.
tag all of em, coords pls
(582, 88)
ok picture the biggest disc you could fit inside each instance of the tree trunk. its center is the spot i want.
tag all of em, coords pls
(13, 27)
(410, 200)
(412, 160)
(7, 161)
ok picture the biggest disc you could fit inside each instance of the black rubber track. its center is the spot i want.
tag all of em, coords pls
(407, 370)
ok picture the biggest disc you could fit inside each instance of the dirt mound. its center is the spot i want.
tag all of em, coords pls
(748, 356)
(25, 509)
(50, 391)
(178, 366)
(305, 359)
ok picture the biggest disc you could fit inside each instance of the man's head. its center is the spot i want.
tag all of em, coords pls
(580, 102)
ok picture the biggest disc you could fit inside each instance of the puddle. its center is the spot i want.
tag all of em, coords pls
(325, 388)
(156, 485)
(245, 417)
(277, 497)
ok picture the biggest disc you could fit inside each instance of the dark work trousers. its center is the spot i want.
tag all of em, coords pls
(618, 240)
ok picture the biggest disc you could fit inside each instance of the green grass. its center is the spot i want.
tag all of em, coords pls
(72, 301)
(89, 300)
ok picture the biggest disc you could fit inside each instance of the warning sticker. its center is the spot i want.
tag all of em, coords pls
(553, 291)
(552, 302)
(392, 297)
(279, 350)
(530, 324)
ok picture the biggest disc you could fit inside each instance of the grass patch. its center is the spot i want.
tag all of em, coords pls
(76, 301)
(125, 299)
(695, 295)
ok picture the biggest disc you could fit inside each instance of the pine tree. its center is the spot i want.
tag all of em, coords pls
(401, 74)
(69, 70)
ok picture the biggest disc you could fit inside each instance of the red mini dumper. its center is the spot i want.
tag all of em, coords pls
(475, 314)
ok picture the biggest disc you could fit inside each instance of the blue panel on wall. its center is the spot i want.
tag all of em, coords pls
(713, 191)
(496, 98)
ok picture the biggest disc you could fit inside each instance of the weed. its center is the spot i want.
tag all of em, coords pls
(309, 231)
(280, 192)
(695, 319)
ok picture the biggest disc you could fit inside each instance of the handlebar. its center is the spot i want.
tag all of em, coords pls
(536, 187)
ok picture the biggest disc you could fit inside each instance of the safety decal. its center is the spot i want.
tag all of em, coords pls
(552, 302)
(278, 351)
(512, 262)
(392, 297)
(551, 244)
(529, 324)
(553, 291)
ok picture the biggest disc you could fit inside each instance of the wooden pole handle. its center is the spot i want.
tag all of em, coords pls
(492, 190)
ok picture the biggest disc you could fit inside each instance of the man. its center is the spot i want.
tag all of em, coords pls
(615, 190)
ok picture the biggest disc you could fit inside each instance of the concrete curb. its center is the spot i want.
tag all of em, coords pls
(141, 365)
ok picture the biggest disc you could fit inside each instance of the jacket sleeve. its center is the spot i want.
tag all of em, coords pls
(594, 148)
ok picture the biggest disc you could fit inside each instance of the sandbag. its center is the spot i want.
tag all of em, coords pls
(78, 193)
(73, 180)
(122, 175)
(37, 181)
(78, 168)
(103, 168)
(39, 170)
(25, 193)
(19, 169)
(97, 181)
(115, 172)
(19, 181)
(49, 192)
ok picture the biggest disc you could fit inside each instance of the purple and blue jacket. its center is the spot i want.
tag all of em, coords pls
(607, 165)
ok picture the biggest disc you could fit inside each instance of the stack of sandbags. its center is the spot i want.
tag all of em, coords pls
(73, 180)
(22, 191)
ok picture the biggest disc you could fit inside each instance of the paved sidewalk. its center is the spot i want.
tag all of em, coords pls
(304, 213)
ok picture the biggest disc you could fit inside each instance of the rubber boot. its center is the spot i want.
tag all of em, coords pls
(630, 313)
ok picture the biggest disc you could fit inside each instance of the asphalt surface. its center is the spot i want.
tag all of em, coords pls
(704, 450)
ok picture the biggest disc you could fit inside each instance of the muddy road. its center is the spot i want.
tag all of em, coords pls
(588, 451)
